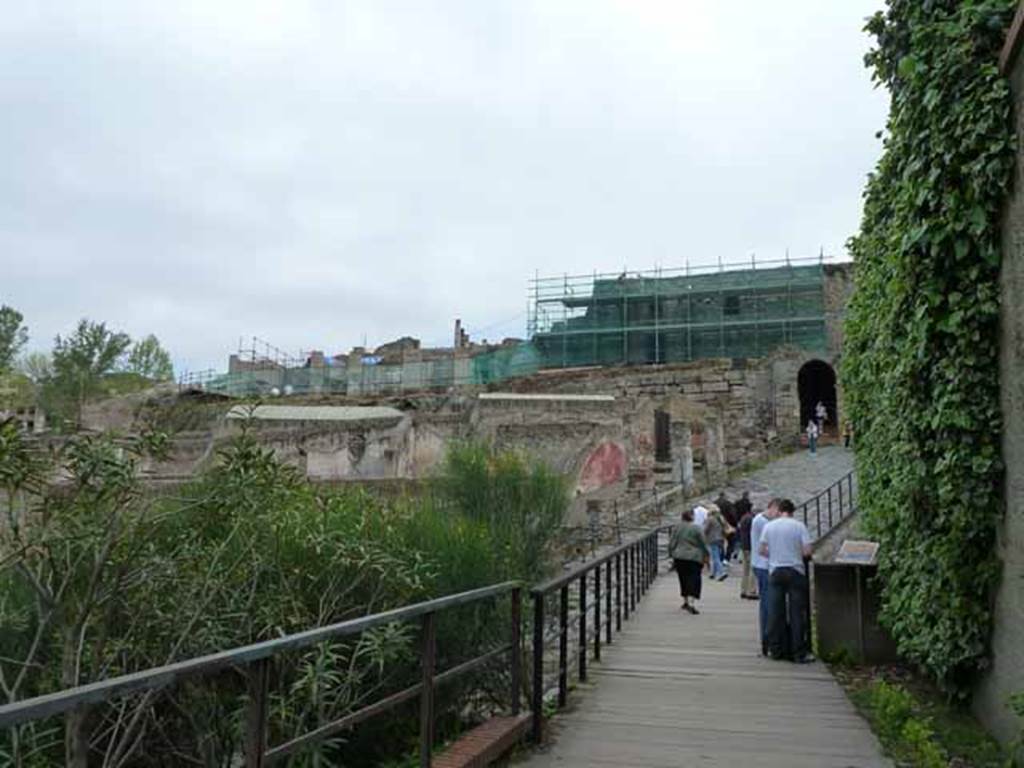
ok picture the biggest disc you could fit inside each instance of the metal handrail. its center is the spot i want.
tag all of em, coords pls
(635, 565)
(257, 657)
(845, 502)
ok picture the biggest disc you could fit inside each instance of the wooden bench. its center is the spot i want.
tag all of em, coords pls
(484, 744)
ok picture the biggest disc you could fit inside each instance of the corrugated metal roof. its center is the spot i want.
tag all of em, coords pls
(315, 413)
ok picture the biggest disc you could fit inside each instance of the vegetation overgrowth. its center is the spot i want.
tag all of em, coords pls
(917, 723)
(920, 357)
(98, 578)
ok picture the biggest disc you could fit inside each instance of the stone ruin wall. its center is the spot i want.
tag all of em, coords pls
(723, 414)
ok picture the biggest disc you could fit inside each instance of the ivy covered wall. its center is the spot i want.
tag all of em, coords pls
(920, 367)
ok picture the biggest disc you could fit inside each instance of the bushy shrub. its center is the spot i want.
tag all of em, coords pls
(906, 735)
(247, 552)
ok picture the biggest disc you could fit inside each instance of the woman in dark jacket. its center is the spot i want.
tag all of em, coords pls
(689, 552)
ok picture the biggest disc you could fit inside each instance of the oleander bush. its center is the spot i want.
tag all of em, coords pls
(99, 579)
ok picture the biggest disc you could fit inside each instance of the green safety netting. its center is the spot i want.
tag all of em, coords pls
(597, 320)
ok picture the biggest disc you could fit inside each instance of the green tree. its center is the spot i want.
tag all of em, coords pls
(13, 336)
(147, 358)
(82, 360)
(37, 366)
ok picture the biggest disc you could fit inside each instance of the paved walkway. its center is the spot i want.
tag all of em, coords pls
(680, 690)
(798, 476)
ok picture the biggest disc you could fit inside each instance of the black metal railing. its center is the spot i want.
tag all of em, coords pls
(256, 660)
(834, 504)
(607, 591)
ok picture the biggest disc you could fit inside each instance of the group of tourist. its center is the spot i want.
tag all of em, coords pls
(775, 549)
(720, 522)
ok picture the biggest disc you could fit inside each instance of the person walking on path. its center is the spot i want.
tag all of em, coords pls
(812, 435)
(748, 587)
(689, 551)
(820, 415)
(732, 522)
(786, 543)
(714, 533)
(759, 564)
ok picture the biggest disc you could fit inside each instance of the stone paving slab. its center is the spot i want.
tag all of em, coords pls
(798, 476)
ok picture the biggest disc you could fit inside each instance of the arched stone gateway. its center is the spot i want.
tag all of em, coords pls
(816, 382)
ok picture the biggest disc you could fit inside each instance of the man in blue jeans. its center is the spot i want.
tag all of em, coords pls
(760, 565)
(787, 544)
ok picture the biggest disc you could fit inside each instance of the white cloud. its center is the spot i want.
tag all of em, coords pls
(312, 171)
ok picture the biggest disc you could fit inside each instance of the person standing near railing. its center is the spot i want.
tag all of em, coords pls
(786, 543)
(759, 564)
(689, 552)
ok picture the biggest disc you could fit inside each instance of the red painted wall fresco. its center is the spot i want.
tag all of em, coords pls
(605, 465)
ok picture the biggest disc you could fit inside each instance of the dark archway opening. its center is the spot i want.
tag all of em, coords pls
(816, 382)
(662, 437)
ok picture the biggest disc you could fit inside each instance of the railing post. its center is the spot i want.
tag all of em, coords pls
(817, 509)
(625, 585)
(840, 484)
(629, 580)
(652, 556)
(608, 601)
(597, 613)
(638, 565)
(636, 574)
(583, 628)
(618, 592)
(428, 658)
(563, 646)
(256, 713)
(644, 566)
(516, 666)
(830, 507)
(538, 667)
(633, 575)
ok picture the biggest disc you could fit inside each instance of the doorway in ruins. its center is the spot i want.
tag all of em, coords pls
(662, 437)
(816, 383)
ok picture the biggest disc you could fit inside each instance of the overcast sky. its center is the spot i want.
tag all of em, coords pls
(317, 172)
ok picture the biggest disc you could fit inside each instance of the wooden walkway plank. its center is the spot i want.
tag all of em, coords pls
(681, 690)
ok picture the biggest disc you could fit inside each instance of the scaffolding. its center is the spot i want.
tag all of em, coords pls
(669, 316)
(632, 318)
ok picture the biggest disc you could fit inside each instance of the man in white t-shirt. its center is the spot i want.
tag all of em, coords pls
(787, 544)
(759, 563)
(700, 516)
